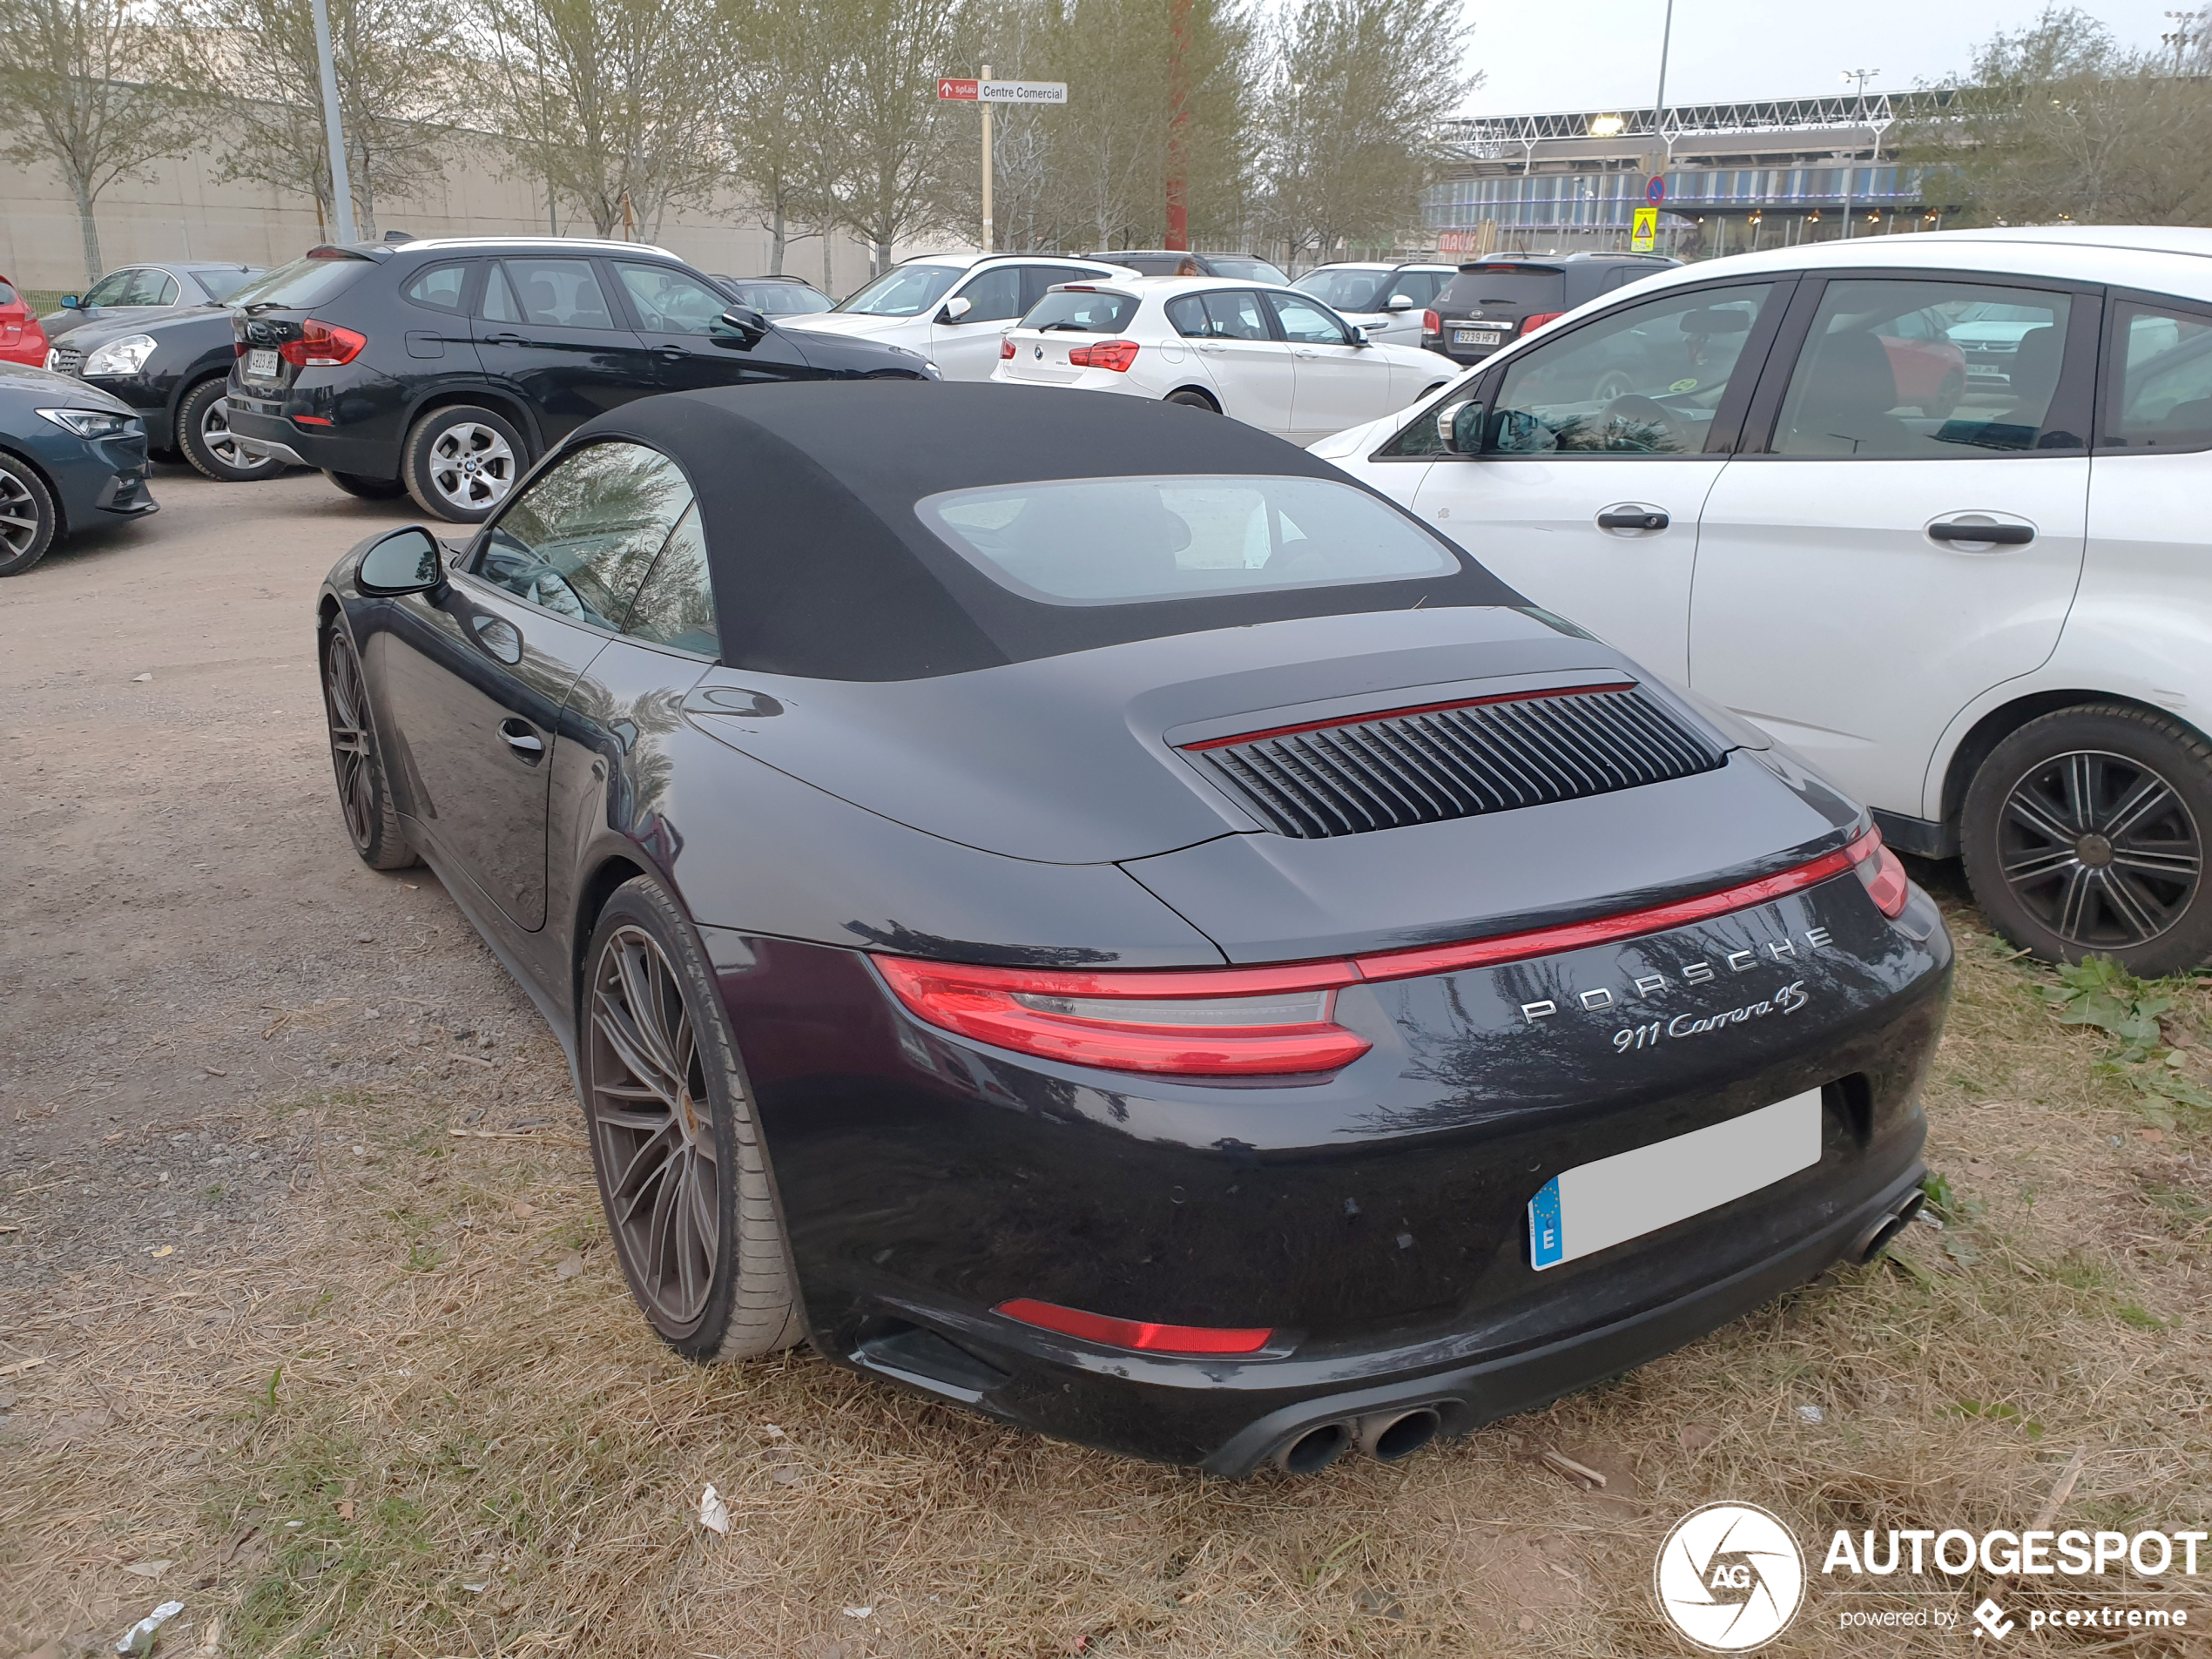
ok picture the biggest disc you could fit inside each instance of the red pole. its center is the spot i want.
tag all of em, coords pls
(1179, 124)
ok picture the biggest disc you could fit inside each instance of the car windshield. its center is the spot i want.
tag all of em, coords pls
(1345, 290)
(1082, 311)
(221, 285)
(306, 281)
(906, 291)
(1246, 269)
(1116, 541)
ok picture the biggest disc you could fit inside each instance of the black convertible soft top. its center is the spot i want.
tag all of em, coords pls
(822, 568)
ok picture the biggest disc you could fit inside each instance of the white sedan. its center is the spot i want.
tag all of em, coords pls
(1272, 357)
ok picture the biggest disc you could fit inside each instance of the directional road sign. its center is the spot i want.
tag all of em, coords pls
(962, 92)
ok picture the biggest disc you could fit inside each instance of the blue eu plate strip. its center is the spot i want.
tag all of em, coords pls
(1546, 1236)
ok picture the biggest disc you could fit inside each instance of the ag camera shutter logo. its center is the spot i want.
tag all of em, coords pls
(1730, 1577)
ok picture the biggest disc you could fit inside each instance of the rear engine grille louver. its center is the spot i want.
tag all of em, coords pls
(1423, 765)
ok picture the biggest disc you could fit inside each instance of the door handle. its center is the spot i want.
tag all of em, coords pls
(673, 353)
(517, 735)
(1638, 520)
(2001, 535)
(505, 340)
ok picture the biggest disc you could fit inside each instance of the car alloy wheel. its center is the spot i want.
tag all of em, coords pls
(217, 438)
(26, 519)
(364, 796)
(2101, 849)
(471, 467)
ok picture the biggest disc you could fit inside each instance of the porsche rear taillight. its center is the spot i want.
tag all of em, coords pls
(1177, 1022)
(1117, 355)
(1139, 1334)
(322, 345)
(1883, 874)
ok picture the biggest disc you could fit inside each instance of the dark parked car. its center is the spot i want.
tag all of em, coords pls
(1165, 261)
(173, 370)
(69, 456)
(140, 293)
(777, 296)
(1074, 905)
(442, 368)
(1498, 300)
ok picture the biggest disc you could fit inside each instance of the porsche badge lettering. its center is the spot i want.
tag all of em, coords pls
(1646, 986)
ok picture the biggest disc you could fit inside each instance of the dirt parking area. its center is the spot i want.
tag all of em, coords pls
(309, 1321)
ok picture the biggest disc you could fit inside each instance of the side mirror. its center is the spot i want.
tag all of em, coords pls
(1459, 427)
(954, 308)
(1363, 333)
(748, 325)
(71, 301)
(1399, 302)
(408, 561)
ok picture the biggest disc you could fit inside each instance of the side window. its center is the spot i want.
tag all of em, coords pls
(111, 289)
(995, 296)
(675, 605)
(1420, 287)
(2159, 384)
(580, 538)
(1864, 387)
(1236, 314)
(670, 301)
(161, 289)
(555, 294)
(440, 287)
(1642, 379)
(1187, 316)
(1035, 279)
(1307, 324)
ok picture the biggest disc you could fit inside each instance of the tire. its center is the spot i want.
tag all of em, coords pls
(364, 792)
(1191, 399)
(2084, 833)
(1945, 403)
(666, 1170)
(460, 462)
(360, 485)
(203, 434)
(27, 521)
(1613, 383)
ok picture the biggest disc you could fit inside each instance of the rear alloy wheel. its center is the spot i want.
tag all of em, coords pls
(26, 517)
(209, 445)
(2084, 834)
(461, 462)
(678, 1152)
(364, 795)
(368, 489)
(1191, 399)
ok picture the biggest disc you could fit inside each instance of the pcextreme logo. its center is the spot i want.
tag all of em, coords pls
(1730, 1577)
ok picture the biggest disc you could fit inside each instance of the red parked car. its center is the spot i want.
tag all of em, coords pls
(1927, 365)
(22, 341)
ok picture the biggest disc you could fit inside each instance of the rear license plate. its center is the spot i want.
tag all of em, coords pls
(261, 364)
(1596, 1206)
(1476, 337)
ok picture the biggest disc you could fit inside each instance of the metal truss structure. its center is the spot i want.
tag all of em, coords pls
(1490, 138)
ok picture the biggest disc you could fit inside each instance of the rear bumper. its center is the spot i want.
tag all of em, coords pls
(267, 424)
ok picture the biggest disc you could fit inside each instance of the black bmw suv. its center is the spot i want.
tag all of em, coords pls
(1493, 301)
(442, 368)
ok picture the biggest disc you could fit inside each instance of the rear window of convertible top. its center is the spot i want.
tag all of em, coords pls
(1119, 541)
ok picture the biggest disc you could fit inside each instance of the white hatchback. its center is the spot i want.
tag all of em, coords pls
(1387, 300)
(1272, 357)
(1929, 510)
(952, 308)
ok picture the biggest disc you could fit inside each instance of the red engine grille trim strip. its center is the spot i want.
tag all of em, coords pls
(1400, 714)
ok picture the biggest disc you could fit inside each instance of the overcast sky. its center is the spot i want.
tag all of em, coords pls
(1543, 55)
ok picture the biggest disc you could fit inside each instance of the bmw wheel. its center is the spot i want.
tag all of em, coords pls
(678, 1151)
(209, 445)
(364, 793)
(461, 462)
(27, 518)
(2084, 833)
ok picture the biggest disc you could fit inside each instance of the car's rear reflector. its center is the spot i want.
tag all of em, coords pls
(1133, 1333)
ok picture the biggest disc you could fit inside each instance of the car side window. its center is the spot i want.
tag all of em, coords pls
(1641, 380)
(439, 287)
(161, 289)
(579, 538)
(1035, 279)
(1187, 316)
(1863, 389)
(2158, 393)
(675, 605)
(1237, 313)
(1306, 323)
(1420, 287)
(668, 301)
(110, 289)
(550, 294)
(995, 296)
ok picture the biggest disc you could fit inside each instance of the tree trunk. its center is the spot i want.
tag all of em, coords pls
(88, 231)
(829, 234)
(881, 258)
(776, 241)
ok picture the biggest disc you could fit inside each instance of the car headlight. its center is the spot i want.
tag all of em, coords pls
(94, 423)
(125, 356)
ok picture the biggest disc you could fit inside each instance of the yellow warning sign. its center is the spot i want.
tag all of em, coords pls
(1643, 230)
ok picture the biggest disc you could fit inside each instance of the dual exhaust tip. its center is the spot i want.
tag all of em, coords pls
(1876, 1238)
(1385, 1436)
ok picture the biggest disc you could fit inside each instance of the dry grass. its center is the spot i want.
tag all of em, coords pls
(398, 1429)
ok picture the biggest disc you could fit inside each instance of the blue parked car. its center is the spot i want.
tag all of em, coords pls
(70, 455)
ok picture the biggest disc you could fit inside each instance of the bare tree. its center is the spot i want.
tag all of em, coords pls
(767, 126)
(72, 92)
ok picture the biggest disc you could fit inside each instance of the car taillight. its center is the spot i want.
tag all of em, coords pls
(1117, 355)
(1133, 1333)
(322, 345)
(1883, 873)
(1430, 323)
(1006, 346)
(1531, 323)
(1186, 1022)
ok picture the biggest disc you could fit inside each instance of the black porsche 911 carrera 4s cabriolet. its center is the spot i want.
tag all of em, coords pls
(1076, 907)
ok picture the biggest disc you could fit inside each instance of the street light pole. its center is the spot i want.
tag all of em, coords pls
(1659, 109)
(1862, 75)
(341, 186)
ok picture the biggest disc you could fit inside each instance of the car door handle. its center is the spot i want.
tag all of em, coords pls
(673, 353)
(2002, 535)
(505, 340)
(517, 735)
(1638, 520)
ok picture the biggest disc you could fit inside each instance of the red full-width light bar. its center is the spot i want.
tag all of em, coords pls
(1133, 1333)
